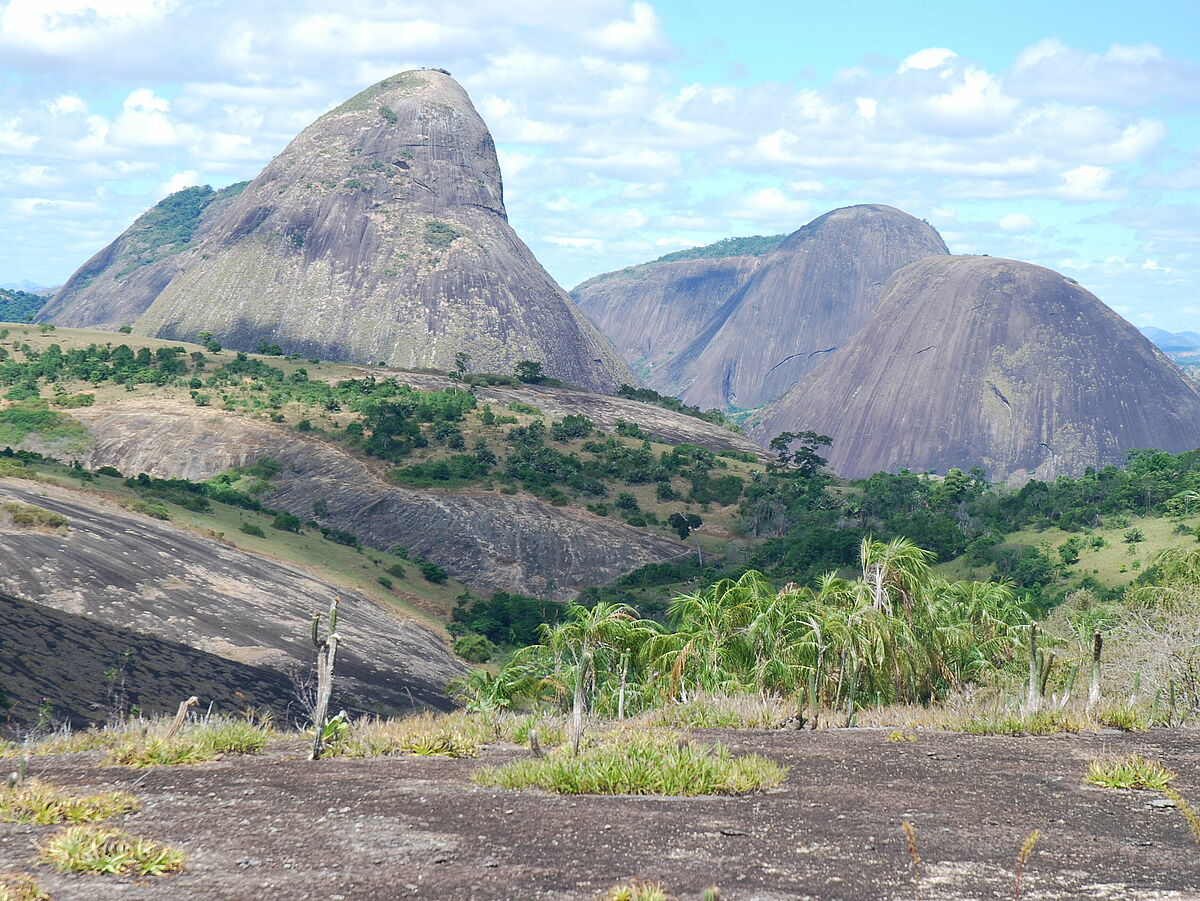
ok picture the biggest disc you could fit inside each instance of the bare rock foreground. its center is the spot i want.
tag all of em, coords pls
(278, 826)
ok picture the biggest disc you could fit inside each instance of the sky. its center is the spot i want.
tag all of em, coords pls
(1058, 133)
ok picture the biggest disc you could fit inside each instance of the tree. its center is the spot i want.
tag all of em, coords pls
(462, 361)
(530, 371)
(684, 524)
(804, 462)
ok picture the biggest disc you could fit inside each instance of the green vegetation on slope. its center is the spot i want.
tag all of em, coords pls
(19, 306)
(751, 246)
(167, 227)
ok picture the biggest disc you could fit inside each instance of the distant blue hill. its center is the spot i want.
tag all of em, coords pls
(1171, 341)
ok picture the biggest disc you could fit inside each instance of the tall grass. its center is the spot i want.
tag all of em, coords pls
(195, 744)
(895, 633)
(640, 763)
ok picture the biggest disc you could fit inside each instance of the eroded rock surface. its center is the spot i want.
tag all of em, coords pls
(127, 571)
(486, 540)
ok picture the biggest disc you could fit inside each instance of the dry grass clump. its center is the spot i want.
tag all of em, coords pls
(1132, 771)
(197, 744)
(66, 742)
(724, 711)
(637, 890)
(639, 763)
(106, 850)
(41, 803)
(20, 887)
(1046, 722)
(427, 734)
(28, 516)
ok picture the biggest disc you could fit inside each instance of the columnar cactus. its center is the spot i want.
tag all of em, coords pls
(326, 656)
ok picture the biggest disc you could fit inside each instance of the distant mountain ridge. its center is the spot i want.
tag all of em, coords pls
(1171, 341)
(379, 234)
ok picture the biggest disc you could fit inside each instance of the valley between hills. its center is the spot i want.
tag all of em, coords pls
(821, 565)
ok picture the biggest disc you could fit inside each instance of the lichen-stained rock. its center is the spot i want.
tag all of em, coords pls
(979, 360)
(378, 234)
(126, 571)
(486, 540)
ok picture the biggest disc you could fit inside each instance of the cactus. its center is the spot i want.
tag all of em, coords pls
(326, 657)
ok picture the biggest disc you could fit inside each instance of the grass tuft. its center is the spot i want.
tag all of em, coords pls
(1047, 722)
(1132, 771)
(20, 887)
(34, 801)
(637, 890)
(645, 763)
(425, 735)
(1122, 716)
(104, 850)
(199, 744)
(724, 711)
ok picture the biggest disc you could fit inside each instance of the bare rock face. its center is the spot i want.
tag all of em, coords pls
(238, 621)
(769, 319)
(650, 312)
(379, 234)
(978, 360)
(808, 297)
(488, 541)
(116, 286)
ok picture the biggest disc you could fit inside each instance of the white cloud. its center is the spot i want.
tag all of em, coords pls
(177, 182)
(1017, 223)
(1127, 75)
(770, 206)
(641, 32)
(66, 104)
(867, 107)
(62, 27)
(929, 58)
(1088, 184)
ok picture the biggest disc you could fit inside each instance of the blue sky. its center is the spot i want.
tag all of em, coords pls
(1054, 133)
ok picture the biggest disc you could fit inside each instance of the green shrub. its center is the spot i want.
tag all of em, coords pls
(286, 522)
(251, 529)
(440, 234)
(433, 573)
(474, 649)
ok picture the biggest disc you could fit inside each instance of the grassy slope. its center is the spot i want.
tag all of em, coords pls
(412, 595)
(1113, 565)
(718, 520)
